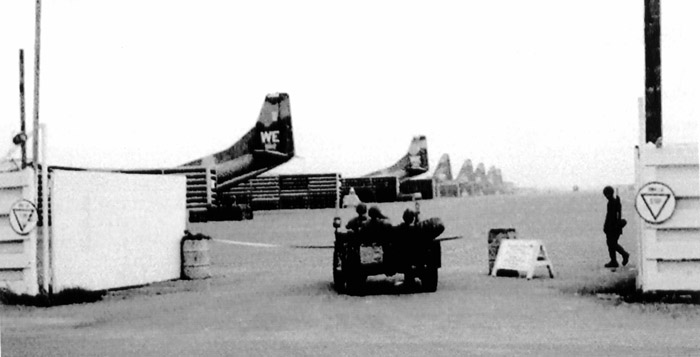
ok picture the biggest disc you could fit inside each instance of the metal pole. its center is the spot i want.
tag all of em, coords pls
(37, 45)
(652, 56)
(23, 126)
(642, 121)
(337, 194)
(45, 211)
(336, 219)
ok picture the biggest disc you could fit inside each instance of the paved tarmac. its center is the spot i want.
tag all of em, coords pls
(270, 301)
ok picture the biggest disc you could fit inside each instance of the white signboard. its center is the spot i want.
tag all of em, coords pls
(23, 217)
(523, 256)
(655, 202)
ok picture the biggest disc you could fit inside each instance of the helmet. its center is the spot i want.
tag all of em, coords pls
(608, 191)
(374, 212)
(409, 216)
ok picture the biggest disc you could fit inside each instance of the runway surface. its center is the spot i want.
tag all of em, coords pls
(268, 299)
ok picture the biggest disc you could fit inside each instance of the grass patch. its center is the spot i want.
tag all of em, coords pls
(622, 287)
(64, 297)
(81, 296)
(618, 284)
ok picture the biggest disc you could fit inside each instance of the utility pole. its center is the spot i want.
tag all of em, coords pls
(40, 175)
(652, 57)
(23, 128)
(37, 46)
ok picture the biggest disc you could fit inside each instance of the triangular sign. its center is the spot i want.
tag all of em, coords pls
(23, 216)
(655, 202)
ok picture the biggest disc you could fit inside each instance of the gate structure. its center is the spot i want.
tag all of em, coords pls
(18, 233)
(668, 202)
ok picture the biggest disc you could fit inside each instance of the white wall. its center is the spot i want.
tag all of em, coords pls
(670, 251)
(112, 230)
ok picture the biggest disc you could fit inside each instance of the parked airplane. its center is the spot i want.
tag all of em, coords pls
(267, 145)
(495, 180)
(480, 178)
(414, 163)
(479, 182)
(443, 171)
(466, 173)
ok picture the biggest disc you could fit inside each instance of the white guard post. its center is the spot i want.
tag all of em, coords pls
(522, 255)
(668, 205)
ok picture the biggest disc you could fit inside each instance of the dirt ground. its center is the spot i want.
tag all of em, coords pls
(273, 301)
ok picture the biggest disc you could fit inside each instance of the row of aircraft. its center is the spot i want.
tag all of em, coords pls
(270, 143)
(470, 181)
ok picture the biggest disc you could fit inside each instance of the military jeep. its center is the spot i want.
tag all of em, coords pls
(409, 250)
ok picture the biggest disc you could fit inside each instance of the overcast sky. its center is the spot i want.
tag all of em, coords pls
(545, 90)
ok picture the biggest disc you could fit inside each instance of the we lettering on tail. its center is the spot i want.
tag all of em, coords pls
(270, 139)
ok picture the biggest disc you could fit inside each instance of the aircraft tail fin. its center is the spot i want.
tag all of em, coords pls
(443, 171)
(480, 173)
(268, 144)
(418, 156)
(414, 163)
(466, 173)
(274, 127)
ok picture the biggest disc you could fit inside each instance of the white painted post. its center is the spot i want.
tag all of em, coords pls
(209, 182)
(640, 231)
(45, 209)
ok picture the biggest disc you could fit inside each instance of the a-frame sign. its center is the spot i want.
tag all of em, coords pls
(523, 256)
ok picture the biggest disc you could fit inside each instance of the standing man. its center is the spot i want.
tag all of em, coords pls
(613, 228)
